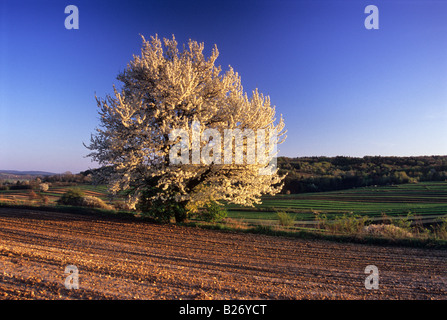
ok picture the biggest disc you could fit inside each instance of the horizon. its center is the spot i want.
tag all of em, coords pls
(291, 157)
(342, 89)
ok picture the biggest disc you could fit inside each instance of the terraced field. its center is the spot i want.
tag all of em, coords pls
(426, 200)
(53, 194)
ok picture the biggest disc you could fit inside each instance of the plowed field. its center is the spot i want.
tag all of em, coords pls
(120, 259)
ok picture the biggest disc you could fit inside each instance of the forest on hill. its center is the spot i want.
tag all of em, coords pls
(313, 174)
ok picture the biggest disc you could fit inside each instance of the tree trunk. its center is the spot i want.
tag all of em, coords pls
(180, 212)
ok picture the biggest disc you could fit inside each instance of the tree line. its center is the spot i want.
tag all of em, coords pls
(313, 174)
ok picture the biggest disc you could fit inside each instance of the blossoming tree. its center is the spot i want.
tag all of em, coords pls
(165, 90)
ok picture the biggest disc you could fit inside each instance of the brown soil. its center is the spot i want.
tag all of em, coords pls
(120, 259)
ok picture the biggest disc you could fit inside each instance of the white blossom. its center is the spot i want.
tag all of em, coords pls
(166, 89)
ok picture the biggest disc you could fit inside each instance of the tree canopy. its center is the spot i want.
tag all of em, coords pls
(163, 133)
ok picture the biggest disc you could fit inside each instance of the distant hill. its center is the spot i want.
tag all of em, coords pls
(32, 173)
(22, 175)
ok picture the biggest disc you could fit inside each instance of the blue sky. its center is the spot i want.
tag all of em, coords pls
(342, 89)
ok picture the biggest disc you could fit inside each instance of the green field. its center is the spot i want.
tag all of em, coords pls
(425, 200)
(53, 194)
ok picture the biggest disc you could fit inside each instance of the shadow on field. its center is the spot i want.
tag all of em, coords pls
(69, 213)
